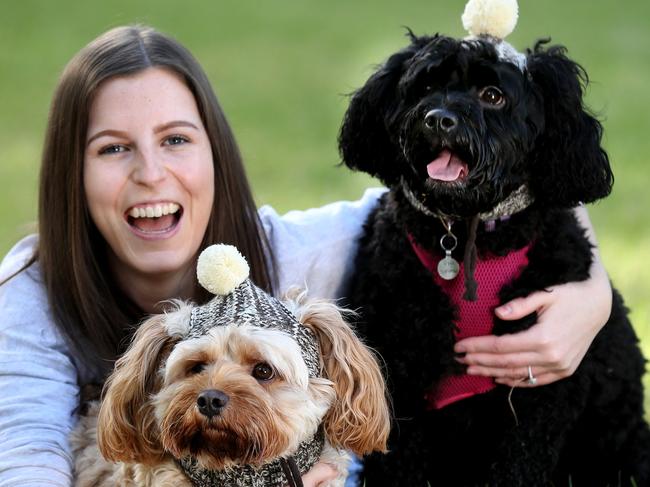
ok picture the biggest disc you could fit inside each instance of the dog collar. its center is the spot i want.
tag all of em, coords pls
(517, 201)
(280, 472)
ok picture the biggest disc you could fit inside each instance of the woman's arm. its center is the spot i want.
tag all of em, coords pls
(38, 389)
(569, 317)
(316, 248)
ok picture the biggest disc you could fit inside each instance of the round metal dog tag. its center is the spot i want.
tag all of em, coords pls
(448, 268)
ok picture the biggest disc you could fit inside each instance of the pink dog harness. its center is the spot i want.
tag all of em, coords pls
(474, 318)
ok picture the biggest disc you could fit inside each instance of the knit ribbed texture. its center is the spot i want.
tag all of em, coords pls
(267, 475)
(250, 305)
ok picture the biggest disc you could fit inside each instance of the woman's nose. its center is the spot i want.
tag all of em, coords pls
(149, 168)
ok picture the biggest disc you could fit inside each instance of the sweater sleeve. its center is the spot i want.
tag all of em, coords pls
(38, 386)
(315, 248)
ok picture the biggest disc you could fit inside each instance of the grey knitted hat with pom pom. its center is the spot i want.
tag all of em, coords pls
(223, 271)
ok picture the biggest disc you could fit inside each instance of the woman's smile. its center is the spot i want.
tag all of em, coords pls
(154, 220)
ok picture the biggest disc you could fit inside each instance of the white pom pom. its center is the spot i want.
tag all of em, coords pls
(496, 18)
(221, 268)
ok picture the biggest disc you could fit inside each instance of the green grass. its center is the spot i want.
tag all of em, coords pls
(281, 69)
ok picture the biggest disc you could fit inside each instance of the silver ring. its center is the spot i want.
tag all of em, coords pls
(532, 380)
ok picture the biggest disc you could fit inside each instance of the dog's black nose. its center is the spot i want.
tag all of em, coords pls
(211, 402)
(442, 119)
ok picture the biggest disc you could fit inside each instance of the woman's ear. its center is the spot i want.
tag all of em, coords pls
(359, 419)
(126, 429)
(568, 164)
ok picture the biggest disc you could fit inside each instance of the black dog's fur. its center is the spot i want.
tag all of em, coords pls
(587, 429)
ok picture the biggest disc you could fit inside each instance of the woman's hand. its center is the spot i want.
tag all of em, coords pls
(569, 317)
(320, 474)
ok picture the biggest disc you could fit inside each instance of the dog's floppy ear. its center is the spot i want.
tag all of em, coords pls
(359, 420)
(364, 141)
(568, 163)
(126, 429)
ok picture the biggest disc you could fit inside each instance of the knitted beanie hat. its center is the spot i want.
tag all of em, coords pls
(223, 271)
(493, 21)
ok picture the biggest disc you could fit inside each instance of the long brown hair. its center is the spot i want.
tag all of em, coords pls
(89, 308)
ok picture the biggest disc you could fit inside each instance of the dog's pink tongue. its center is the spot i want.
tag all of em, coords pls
(446, 167)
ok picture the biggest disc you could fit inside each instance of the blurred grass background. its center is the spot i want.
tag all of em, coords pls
(282, 68)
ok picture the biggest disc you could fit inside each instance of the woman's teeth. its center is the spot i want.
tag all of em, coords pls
(155, 211)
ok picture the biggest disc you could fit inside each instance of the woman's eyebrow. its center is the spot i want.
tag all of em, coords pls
(102, 133)
(174, 123)
(158, 129)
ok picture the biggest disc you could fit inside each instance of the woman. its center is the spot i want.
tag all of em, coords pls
(140, 171)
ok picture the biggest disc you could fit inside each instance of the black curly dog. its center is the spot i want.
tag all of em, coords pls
(453, 130)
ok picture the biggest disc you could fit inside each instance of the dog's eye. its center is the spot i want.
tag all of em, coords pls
(263, 372)
(197, 368)
(492, 96)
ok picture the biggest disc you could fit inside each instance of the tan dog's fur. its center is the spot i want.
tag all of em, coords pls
(149, 416)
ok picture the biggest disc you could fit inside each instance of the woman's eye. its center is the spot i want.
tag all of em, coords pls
(492, 96)
(176, 140)
(112, 149)
(263, 372)
(197, 368)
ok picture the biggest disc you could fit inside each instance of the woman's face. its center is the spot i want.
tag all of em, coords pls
(148, 173)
